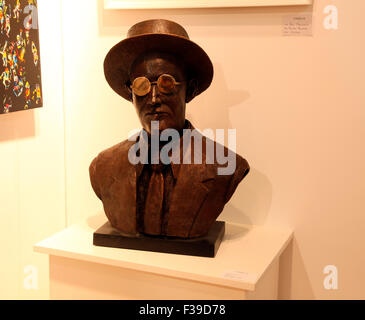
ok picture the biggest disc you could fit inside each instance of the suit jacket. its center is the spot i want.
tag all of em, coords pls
(198, 198)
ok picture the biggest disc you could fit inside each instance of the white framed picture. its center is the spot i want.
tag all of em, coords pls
(180, 4)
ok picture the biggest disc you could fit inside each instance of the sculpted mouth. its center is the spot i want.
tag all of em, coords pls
(157, 113)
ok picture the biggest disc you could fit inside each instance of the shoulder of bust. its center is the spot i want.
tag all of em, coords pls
(117, 150)
(114, 156)
(109, 163)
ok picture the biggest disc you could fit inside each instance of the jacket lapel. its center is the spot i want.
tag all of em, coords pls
(122, 196)
(193, 185)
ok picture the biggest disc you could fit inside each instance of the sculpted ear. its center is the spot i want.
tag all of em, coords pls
(128, 86)
(191, 90)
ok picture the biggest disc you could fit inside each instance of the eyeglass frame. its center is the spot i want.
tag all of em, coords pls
(175, 83)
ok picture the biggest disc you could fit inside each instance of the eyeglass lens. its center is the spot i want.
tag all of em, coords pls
(142, 86)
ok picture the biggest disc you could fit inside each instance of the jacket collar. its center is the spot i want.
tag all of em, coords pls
(175, 165)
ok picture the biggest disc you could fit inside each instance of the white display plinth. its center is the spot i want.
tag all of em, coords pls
(246, 267)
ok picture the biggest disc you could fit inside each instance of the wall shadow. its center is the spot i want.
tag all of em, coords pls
(285, 273)
(97, 220)
(235, 231)
(17, 125)
(254, 197)
(219, 105)
(291, 259)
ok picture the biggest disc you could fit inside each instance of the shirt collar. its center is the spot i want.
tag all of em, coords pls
(174, 166)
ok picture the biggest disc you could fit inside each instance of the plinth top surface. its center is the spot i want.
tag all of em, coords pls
(244, 255)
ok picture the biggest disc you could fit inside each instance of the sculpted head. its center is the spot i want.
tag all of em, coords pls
(154, 48)
(164, 96)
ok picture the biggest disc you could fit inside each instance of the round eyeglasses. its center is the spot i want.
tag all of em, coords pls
(166, 84)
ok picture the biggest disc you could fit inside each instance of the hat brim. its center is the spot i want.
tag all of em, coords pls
(121, 57)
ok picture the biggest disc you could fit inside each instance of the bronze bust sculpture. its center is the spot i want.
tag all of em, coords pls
(159, 70)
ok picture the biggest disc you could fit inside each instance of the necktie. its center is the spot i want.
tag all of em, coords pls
(154, 202)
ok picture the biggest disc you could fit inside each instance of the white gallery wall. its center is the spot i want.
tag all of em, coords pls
(32, 172)
(297, 104)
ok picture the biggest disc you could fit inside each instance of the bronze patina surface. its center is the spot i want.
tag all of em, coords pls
(178, 199)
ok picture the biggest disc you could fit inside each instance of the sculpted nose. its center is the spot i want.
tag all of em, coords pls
(155, 95)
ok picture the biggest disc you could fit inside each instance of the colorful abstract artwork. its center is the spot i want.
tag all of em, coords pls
(20, 68)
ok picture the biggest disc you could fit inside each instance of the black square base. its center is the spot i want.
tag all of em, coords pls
(207, 246)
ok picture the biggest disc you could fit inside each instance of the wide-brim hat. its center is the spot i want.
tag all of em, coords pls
(156, 35)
